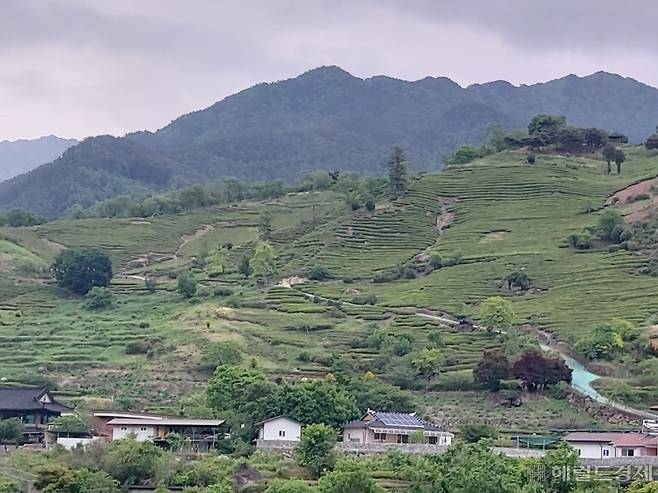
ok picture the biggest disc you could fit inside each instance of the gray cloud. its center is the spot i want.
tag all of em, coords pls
(579, 25)
(82, 67)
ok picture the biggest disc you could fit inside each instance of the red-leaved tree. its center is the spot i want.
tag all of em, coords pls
(537, 372)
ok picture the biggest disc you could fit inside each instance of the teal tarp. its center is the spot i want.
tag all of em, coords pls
(537, 441)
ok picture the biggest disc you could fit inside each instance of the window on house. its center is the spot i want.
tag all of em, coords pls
(143, 428)
(432, 440)
(380, 437)
(403, 438)
(627, 452)
(123, 428)
(282, 433)
(606, 453)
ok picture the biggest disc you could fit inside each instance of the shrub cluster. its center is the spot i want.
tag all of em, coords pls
(365, 299)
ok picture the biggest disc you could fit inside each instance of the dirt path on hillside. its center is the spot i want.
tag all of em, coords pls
(57, 247)
(640, 210)
(443, 221)
(135, 265)
(199, 233)
(446, 216)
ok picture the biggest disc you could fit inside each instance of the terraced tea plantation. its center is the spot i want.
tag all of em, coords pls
(372, 241)
(511, 216)
(488, 219)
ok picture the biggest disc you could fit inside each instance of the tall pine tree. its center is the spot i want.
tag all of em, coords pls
(397, 172)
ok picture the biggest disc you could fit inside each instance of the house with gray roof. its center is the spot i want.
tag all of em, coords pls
(34, 406)
(386, 427)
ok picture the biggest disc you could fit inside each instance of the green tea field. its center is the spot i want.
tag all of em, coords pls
(485, 220)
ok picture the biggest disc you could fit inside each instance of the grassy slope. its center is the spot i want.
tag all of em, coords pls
(507, 215)
(510, 216)
(126, 239)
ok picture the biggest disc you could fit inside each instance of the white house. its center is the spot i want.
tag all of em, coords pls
(105, 430)
(140, 429)
(279, 428)
(592, 445)
(607, 445)
(391, 428)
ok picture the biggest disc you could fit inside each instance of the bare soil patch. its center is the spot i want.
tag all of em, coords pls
(638, 188)
(445, 218)
(289, 282)
(640, 210)
(493, 236)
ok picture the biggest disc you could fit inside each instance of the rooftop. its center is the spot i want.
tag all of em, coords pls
(126, 414)
(586, 436)
(636, 440)
(165, 422)
(354, 424)
(375, 419)
(407, 420)
(277, 417)
(29, 399)
(617, 439)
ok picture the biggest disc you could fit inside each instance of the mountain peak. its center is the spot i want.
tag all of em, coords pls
(434, 82)
(43, 138)
(327, 72)
(602, 76)
(494, 84)
(22, 155)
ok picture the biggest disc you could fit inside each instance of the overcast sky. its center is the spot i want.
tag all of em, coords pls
(86, 67)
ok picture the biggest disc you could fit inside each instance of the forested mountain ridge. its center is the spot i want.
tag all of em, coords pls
(20, 156)
(322, 119)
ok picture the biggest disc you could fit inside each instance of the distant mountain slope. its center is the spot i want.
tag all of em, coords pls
(328, 119)
(21, 156)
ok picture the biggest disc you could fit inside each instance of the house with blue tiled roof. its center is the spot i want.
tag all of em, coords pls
(386, 427)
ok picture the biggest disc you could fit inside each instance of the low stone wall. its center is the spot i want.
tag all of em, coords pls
(519, 453)
(287, 447)
(382, 448)
(276, 444)
(650, 460)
